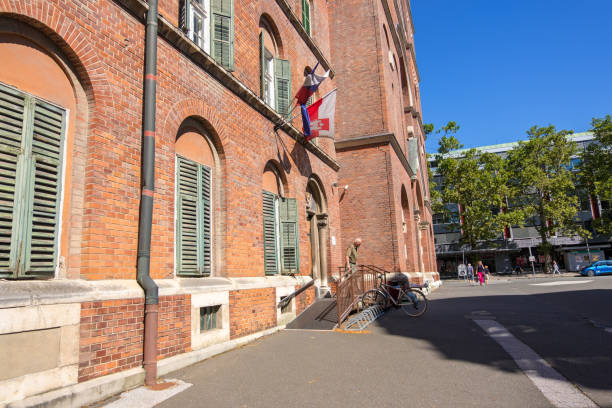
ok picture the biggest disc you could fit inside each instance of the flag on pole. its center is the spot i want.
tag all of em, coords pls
(318, 118)
(311, 84)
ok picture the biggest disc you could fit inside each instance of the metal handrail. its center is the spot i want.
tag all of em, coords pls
(288, 298)
(350, 289)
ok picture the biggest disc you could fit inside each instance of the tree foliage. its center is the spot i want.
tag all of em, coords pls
(595, 170)
(540, 169)
(477, 183)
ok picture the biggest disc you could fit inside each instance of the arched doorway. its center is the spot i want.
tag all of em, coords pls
(316, 215)
(407, 252)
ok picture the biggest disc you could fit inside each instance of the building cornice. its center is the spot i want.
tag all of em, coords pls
(377, 139)
(181, 42)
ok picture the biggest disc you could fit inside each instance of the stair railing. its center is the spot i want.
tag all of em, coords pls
(353, 285)
(288, 298)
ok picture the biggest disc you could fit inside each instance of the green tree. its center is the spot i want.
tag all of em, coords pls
(540, 169)
(477, 183)
(595, 170)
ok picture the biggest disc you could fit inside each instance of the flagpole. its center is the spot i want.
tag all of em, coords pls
(329, 93)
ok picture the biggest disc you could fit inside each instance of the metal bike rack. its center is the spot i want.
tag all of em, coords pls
(363, 319)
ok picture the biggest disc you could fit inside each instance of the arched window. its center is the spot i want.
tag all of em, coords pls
(195, 176)
(38, 115)
(275, 72)
(280, 225)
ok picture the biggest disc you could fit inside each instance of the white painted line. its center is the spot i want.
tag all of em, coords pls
(143, 397)
(311, 330)
(556, 388)
(560, 283)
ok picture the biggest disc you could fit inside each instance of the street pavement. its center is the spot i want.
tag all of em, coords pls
(443, 359)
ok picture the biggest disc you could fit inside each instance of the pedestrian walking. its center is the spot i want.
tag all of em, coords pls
(486, 274)
(351, 256)
(480, 271)
(518, 269)
(470, 273)
(556, 268)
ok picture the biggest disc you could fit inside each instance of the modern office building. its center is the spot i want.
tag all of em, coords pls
(515, 246)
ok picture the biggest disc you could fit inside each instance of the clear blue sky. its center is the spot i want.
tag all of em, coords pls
(499, 67)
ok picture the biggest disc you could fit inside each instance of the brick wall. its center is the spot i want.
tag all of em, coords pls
(251, 311)
(367, 206)
(304, 299)
(105, 46)
(357, 58)
(111, 337)
(174, 326)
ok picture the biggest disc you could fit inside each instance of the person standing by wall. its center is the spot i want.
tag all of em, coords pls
(351, 256)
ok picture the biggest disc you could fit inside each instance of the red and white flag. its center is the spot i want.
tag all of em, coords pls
(320, 119)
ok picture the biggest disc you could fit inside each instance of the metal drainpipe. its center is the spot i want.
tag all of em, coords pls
(146, 198)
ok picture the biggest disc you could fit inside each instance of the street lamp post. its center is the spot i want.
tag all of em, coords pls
(586, 239)
(531, 258)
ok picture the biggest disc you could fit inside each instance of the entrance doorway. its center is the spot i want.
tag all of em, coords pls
(316, 215)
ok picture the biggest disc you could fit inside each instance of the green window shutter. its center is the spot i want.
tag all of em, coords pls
(269, 232)
(262, 65)
(222, 32)
(12, 118)
(187, 230)
(184, 15)
(48, 128)
(206, 219)
(31, 147)
(194, 221)
(282, 83)
(306, 15)
(289, 236)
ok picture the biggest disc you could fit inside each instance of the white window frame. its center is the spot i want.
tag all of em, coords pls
(201, 9)
(270, 97)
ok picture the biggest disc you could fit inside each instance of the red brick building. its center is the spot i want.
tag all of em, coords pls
(244, 211)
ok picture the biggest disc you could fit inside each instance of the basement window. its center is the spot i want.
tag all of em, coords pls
(208, 318)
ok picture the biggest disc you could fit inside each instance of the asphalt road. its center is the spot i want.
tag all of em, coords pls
(443, 359)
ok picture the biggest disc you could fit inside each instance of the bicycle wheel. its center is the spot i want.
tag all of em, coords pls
(373, 297)
(413, 302)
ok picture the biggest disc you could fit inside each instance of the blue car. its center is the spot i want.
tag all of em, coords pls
(597, 268)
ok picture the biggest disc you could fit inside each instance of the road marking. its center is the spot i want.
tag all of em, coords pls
(556, 388)
(560, 283)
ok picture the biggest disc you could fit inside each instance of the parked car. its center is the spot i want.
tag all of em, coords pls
(597, 268)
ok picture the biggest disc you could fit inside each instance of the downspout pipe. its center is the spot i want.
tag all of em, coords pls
(146, 198)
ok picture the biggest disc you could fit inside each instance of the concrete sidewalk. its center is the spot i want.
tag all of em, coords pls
(439, 360)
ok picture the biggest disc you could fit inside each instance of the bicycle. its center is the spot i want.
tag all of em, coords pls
(411, 299)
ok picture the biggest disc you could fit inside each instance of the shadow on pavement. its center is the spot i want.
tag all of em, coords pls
(566, 328)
